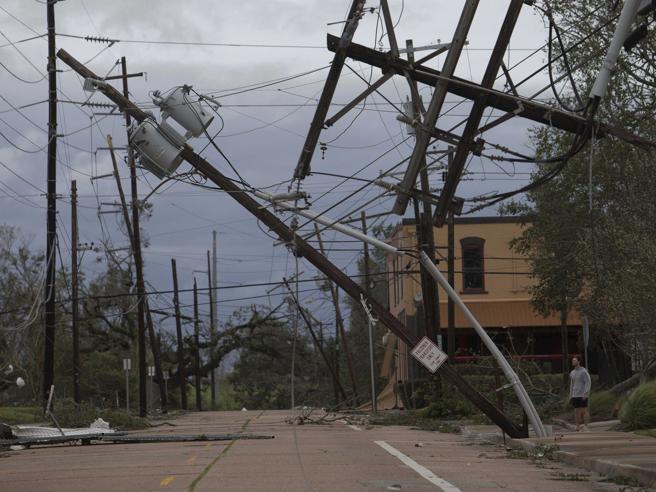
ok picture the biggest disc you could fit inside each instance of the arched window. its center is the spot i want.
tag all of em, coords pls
(473, 272)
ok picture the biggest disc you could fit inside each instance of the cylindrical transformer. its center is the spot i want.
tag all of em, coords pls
(189, 114)
(159, 147)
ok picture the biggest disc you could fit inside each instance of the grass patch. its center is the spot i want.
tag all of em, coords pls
(69, 414)
(646, 432)
(21, 415)
(622, 480)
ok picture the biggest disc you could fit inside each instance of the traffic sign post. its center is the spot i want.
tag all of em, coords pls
(127, 365)
(429, 354)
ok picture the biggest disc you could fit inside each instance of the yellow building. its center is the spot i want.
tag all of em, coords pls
(492, 280)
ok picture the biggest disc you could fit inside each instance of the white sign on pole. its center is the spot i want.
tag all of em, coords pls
(151, 370)
(586, 331)
(127, 364)
(429, 354)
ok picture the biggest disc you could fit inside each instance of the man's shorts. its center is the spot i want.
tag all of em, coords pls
(579, 402)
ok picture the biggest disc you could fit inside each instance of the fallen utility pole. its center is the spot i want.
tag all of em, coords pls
(303, 166)
(470, 132)
(51, 220)
(316, 341)
(304, 249)
(182, 378)
(75, 318)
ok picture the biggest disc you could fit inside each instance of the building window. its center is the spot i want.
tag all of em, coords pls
(473, 272)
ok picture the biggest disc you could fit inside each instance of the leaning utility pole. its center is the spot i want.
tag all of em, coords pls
(424, 222)
(136, 236)
(74, 288)
(305, 250)
(182, 379)
(197, 349)
(429, 120)
(51, 222)
(212, 327)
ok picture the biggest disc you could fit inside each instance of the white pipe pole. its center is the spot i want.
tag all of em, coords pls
(629, 12)
(510, 374)
(328, 222)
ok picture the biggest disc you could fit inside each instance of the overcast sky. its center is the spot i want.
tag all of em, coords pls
(264, 128)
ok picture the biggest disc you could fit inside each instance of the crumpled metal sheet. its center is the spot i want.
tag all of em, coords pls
(30, 431)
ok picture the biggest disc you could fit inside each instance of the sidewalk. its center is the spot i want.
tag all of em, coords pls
(606, 452)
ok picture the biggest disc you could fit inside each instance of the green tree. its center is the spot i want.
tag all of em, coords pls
(590, 237)
(261, 377)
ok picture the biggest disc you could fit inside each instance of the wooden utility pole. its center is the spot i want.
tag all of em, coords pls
(134, 246)
(370, 325)
(157, 359)
(423, 133)
(305, 250)
(424, 226)
(303, 166)
(451, 313)
(199, 404)
(212, 327)
(136, 236)
(317, 342)
(470, 132)
(182, 378)
(51, 221)
(339, 323)
(74, 288)
(215, 290)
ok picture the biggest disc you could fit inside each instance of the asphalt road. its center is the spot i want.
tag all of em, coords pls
(328, 457)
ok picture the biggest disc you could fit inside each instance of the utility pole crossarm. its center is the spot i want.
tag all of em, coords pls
(532, 110)
(303, 166)
(305, 250)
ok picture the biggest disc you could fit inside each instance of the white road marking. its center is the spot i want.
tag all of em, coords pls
(421, 470)
(355, 427)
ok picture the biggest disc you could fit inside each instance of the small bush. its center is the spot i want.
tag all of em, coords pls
(448, 408)
(639, 411)
(603, 405)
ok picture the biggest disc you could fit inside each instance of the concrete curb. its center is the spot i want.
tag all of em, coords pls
(607, 468)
